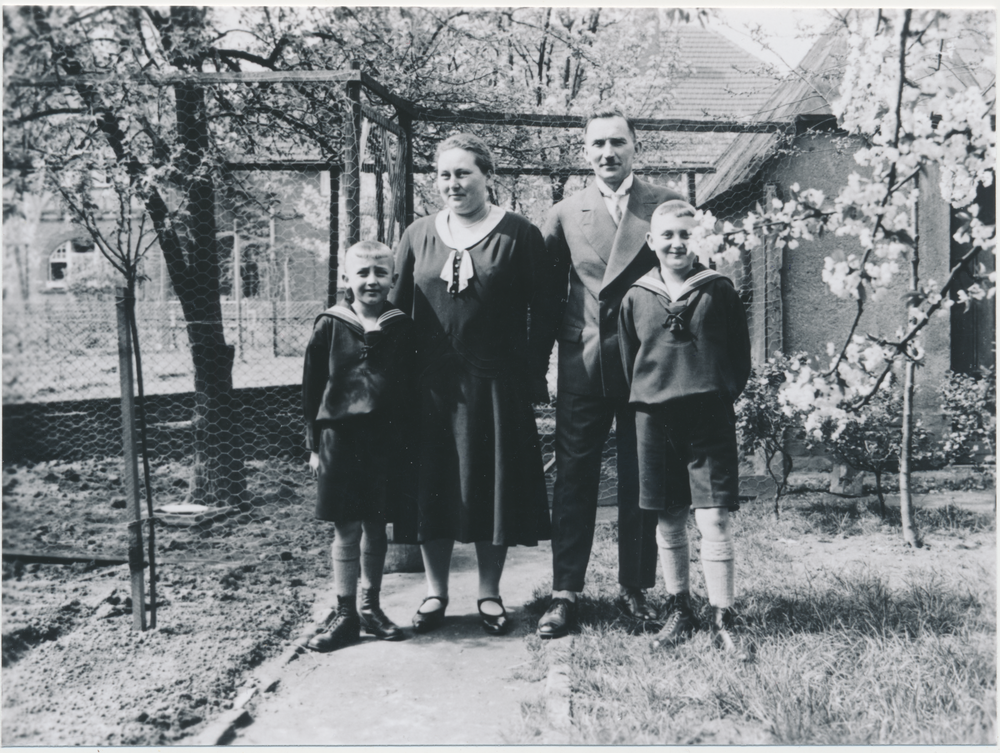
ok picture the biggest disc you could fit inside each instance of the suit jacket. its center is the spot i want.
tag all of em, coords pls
(589, 266)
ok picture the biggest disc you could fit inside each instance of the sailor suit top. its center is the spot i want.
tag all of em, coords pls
(698, 343)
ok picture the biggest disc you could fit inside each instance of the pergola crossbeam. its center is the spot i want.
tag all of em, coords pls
(542, 120)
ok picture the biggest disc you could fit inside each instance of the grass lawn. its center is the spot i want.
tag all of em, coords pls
(855, 639)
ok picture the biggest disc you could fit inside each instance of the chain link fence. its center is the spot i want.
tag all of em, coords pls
(222, 363)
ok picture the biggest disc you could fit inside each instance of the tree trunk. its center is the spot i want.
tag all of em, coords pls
(770, 453)
(219, 475)
(906, 511)
(191, 258)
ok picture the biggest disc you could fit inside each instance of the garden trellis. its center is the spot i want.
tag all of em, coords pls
(284, 215)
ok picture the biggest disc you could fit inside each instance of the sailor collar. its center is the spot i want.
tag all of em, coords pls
(652, 281)
(347, 315)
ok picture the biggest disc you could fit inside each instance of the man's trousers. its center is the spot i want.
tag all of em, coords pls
(582, 426)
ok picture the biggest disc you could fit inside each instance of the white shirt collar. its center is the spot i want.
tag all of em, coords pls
(623, 189)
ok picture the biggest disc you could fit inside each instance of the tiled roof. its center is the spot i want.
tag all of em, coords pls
(801, 93)
(724, 81)
(808, 90)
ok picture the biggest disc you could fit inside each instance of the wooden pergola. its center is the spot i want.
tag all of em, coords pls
(349, 167)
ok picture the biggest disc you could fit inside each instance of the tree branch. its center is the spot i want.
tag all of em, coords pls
(901, 346)
(49, 113)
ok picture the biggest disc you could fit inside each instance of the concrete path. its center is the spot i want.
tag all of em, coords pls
(453, 686)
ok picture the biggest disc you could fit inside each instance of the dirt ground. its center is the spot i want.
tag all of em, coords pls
(235, 587)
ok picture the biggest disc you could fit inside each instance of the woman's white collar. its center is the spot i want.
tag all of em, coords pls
(484, 228)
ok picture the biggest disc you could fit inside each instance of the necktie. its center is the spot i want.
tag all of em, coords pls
(616, 210)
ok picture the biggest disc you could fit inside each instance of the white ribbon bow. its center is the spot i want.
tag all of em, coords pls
(465, 271)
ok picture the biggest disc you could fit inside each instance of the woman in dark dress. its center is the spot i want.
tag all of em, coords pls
(465, 278)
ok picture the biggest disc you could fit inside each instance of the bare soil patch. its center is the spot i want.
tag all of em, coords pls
(232, 590)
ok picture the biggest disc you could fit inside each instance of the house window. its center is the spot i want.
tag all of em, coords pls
(61, 261)
(58, 267)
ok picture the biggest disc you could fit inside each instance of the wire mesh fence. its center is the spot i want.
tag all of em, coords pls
(222, 359)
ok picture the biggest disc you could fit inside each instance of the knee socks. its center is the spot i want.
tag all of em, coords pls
(373, 552)
(717, 562)
(675, 556)
(346, 567)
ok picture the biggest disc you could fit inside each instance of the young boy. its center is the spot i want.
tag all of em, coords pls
(686, 350)
(358, 403)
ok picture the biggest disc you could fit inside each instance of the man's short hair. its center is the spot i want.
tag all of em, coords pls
(369, 250)
(674, 208)
(613, 112)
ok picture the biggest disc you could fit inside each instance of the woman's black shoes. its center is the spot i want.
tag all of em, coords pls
(424, 622)
(494, 624)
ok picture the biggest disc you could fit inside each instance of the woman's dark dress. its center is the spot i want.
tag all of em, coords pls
(481, 476)
(358, 400)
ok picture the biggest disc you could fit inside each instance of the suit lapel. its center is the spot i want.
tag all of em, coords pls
(632, 231)
(596, 223)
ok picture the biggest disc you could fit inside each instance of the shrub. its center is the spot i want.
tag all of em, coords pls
(764, 423)
(969, 402)
(870, 438)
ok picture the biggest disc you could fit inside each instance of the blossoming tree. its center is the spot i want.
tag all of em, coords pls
(899, 99)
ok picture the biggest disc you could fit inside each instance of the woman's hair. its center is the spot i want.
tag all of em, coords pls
(472, 144)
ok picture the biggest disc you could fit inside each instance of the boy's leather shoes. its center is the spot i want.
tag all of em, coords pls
(680, 623)
(633, 603)
(558, 619)
(724, 634)
(374, 620)
(343, 629)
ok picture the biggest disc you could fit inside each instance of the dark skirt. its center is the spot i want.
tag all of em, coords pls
(481, 476)
(364, 473)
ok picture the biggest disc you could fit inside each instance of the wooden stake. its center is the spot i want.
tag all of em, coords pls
(130, 456)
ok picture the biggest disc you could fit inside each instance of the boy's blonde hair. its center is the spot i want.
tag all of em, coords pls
(674, 208)
(369, 250)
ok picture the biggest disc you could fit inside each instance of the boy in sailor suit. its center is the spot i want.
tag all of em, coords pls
(686, 351)
(358, 399)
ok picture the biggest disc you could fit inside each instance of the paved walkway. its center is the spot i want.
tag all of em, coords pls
(453, 686)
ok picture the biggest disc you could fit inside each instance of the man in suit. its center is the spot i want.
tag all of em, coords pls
(595, 249)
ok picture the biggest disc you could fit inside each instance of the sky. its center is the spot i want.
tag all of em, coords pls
(787, 30)
(784, 28)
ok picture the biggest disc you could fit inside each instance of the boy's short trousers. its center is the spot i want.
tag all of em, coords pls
(687, 454)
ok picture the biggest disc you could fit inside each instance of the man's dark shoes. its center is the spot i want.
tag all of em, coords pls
(680, 622)
(558, 619)
(724, 634)
(633, 603)
(342, 629)
(494, 624)
(424, 622)
(374, 620)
